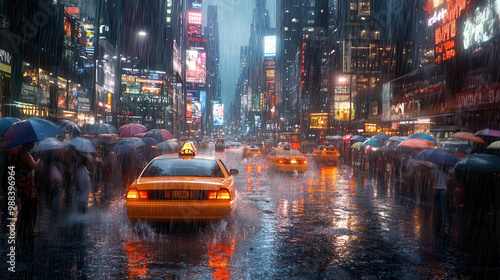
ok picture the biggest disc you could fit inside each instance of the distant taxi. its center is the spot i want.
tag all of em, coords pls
(326, 154)
(287, 160)
(186, 187)
(251, 151)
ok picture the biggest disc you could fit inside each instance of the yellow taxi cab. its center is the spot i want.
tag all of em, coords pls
(287, 160)
(251, 151)
(180, 188)
(326, 154)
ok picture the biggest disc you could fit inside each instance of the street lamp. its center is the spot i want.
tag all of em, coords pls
(142, 33)
(347, 80)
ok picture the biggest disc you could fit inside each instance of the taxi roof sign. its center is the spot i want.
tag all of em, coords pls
(188, 150)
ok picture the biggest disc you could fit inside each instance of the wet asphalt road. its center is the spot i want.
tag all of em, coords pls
(333, 222)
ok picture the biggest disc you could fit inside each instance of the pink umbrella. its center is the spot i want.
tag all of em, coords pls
(140, 135)
(159, 133)
(347, 137)
(131, 129)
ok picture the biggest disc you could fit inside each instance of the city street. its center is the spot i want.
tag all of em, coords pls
(333, 222)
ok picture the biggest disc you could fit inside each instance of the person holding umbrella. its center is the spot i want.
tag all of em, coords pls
(25, 167)
(25, 133)
(441, 179)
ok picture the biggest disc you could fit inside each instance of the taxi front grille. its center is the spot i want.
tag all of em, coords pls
(177, 195)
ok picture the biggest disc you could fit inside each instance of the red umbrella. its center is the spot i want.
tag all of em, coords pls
(131, 129)
(417, 143)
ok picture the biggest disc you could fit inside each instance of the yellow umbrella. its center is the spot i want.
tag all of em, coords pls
(494, 145)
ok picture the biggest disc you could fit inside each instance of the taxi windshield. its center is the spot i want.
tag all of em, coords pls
(180, 167)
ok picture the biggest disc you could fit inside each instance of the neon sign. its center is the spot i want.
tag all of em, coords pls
(445, 34)
(437, 17)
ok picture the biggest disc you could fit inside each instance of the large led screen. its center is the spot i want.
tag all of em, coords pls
(196, 66)
(218, 111)
(270, 46)
(194, 17)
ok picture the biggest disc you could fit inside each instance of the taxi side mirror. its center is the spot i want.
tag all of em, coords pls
(234, 171)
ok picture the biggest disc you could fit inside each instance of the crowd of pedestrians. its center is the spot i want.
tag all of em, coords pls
(66, 180)
(475, 189)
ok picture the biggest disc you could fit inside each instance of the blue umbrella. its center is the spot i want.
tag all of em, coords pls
(381, 136)
(372, 142)
(438, 156)
(149, 141)
(101, 128)
(6, 122)
(425, 136)
(82, 145)
(358, 138)
(30, 130)
(47, 144)
(481, 163)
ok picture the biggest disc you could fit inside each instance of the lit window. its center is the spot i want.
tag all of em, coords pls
(295, 20)
(353, 6)
(286, 28)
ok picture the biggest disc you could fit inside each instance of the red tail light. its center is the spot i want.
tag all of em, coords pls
(219, 195)
(281, 161)
(132, 194)
(135, 194)
(143, 194)
(223, 194)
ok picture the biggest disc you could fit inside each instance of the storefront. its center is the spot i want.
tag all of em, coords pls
(144, 100)
(34, 99)
(5, 77)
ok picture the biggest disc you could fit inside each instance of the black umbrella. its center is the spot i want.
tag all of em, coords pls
(82, 145)
(47, 144)
(69, 127)
(101, 128)
(132, 141)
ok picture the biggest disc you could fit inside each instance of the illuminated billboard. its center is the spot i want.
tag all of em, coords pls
(342, 111)
(444, 16)
(203, 100)
(482, 25)
(194, 17)
(196, 66)
(270, 73)
(270, 46)
(196, 4)
(218, 113)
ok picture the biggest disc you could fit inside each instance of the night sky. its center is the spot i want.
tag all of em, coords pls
(235, 17)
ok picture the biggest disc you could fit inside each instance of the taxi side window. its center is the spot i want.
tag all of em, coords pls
(216, 171)
(224, 166)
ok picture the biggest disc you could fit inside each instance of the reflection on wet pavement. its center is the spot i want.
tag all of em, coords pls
(332, 222)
